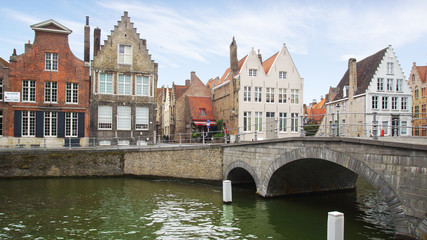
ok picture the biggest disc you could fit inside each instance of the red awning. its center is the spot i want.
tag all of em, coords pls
(203, 123)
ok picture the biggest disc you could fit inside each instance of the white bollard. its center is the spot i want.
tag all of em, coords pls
(226, 191)
(335, 226)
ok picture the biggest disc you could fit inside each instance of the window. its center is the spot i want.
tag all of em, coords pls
(125, 54)
(394, 101)
(106, 83)
(105, 117)
(404, 125)
(51, 62)
(423, 110)
(1, 122)
(282, 75)
(282, 122)
(416, 111)
(374, 102)
(416, 94)
(413, 77)
(258, 94)
(282, 95)
(345, 91)
(50, 124)
(399, 85)
(423, 92)
(258, 121)
(252, 72)
(246, 94)
(123, 85)
(295, 96)
(247, 121)
(50, 92)
(380, 84)
(123, 118)
(1, 89)
(384, 102)
(269, 114)
(294, 122)
(385, 127)
(28, 123)
(390, 84)
(71, 124)
(404, 103)
(141, 118)
(28, 91)
(390, 68)
(72, 93)
(269, 95)
(142, 85)
(202, 111)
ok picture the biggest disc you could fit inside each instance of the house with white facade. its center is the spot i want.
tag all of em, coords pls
(259, 99)
(372, 93)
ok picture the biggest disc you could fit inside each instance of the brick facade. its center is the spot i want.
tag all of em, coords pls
(4, 85)
(418, 84)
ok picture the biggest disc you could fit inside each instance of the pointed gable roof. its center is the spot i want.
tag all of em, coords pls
(366, 69)
(51, 26)
(269, 62)
(196, 103)
(4, 63)
(422, 73)
(226, 76)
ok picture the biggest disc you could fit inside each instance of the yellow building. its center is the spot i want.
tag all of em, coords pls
(418, 82)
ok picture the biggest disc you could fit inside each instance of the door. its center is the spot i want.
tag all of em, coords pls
(394, 125)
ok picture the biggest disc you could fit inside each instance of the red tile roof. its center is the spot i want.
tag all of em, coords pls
(179, 90)
(4, 63)
(366, 69)
(226, 76)
(196, 103)
(269, 62)
(422, 72)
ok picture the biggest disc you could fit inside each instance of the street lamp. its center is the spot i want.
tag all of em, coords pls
(338, 119)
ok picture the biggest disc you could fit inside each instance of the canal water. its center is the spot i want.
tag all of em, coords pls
(138, 208)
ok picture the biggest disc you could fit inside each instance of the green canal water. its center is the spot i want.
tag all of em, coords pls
(137, 208)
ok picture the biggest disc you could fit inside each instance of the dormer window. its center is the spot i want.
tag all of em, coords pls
(125, 54)
(51, 62)
(202, 111)
(345, 91)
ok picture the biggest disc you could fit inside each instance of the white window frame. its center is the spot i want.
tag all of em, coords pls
(105, 85)
(1, 89)
(269, 95)
(384, 102)
(282, 74)
(124, 114)
(394, 103)
(295, 96)
(28, 91)
(105, 117)
(390, 68)
(404, 103)
(282, 122)
(72, 93)
(124, 84)
(399, 85)
(258, 121)
(124, 57)
(403, 127)
(384, 126)
(71, 124)
(374, 102)
(247, 121)
(252, 72)
(247, 94)
(142, 85)
(28, 124)
(142, 115)
(258, 94)
(51, 92)
(282, 95)
(380, 84)
(390, 84)
(51, 62)
(50, 124)
(294, 122)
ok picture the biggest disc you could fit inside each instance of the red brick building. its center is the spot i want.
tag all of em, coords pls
(4, 84)
(53, 89)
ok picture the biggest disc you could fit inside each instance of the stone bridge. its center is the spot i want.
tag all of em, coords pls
(305, 165)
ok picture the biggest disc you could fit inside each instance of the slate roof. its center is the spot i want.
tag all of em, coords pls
(366, 69)
(422, 72)
(195, 103)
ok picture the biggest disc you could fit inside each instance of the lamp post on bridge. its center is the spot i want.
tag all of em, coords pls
(338, 119)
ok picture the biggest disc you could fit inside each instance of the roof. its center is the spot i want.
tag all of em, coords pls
(226, 76)
(319, 105)
(51, 26)
(4, 63)
(269, 62)
(366, 69)
(196, 103)
(179, 90)
(422, 72)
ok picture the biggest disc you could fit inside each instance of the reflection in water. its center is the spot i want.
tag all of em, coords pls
(133, 208)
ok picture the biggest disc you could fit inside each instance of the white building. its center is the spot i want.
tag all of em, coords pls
(264, 99)
(374, 87)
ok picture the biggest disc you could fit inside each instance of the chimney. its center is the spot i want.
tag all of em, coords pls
(86, 51)
(259, 56)
(96, 41)
(28, 46)
(234, 63)
(352, 77)
(187, 83)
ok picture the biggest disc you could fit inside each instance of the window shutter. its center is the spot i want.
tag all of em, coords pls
(17, 123)
(39, 123)
(61, 124)
(81, 125)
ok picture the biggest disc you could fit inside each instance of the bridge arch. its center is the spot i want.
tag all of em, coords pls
(241, 165)
(396, 207)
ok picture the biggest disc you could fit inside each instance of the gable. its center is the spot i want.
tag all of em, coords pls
(51, 26)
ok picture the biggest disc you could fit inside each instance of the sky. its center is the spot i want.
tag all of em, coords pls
(194, 35)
